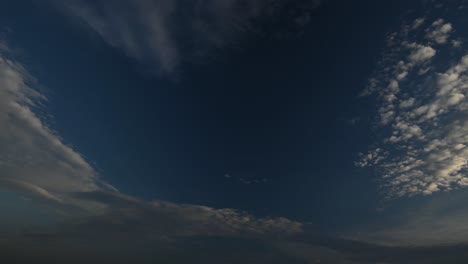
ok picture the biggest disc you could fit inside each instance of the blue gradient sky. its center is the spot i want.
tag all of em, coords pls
(255, 107)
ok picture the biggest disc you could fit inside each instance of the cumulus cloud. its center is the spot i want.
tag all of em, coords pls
(371, 158)
(152, 31)
(425, 114)
(420, 53)
(407, 103)
(439, 32)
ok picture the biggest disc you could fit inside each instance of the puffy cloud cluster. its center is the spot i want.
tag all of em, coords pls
(439, 32)
(420, 53)
(425, 113)
(373, 157)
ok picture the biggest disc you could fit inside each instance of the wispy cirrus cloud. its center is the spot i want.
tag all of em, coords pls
(165, 33)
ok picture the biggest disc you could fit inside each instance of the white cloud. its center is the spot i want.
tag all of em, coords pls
(439, 31)
(417, 23)
(140, 28)
(420, 53)
(32, 154)
(35, 163)
(163, 219)
(404, 131)
(29, 190)
(373, 157)
(451, 89)
(423, 153)
(153, 32)
(407, 103)
(424, 71)
(457, 43)
(402, 75)
(397, 71)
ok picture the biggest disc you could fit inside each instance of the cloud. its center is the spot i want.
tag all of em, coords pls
(139, 28)
(35, 163)
(29, 190)
(407, 103)
(457, 43)
(166, 219)
(439, 32)
(32, 155)
(373, 157)
(166, 33)
(420, 53)
(418, 22)
(426, 116)
(120, 228)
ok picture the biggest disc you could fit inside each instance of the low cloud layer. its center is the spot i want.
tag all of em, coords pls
(208, 249)
(166, 219)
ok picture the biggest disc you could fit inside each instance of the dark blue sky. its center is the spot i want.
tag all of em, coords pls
(266, 108)
(266, 118)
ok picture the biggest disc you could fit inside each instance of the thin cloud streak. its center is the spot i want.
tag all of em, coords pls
(152, 31)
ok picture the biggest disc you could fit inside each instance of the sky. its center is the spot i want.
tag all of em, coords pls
(234, 131)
